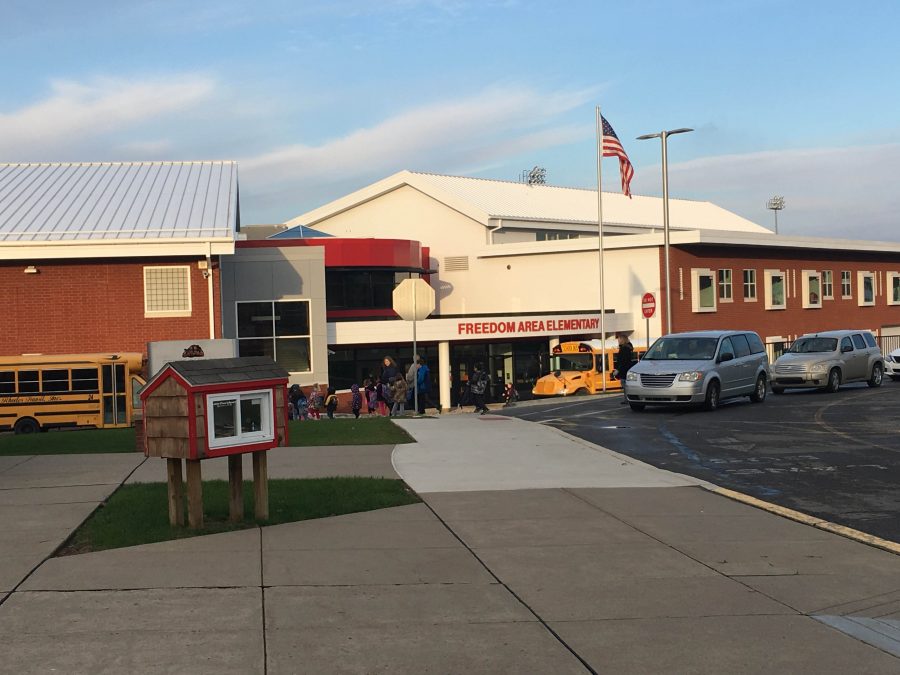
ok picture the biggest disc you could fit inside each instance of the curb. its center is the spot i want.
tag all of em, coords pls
(834, 528)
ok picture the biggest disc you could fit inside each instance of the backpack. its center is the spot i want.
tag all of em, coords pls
(479, 382)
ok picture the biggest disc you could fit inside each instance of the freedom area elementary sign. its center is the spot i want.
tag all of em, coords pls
(477, 328)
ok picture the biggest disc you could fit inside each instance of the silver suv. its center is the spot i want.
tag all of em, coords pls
(700, 367)
(829, 359)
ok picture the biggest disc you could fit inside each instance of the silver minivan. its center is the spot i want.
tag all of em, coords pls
(700, 367)
(828, 359)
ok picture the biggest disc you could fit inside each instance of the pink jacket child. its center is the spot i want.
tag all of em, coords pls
(315, 402)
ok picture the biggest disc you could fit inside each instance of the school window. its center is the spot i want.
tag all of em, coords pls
(812, 290)
(725, 291)
(866, 283)
(553, 235)
(846, 290)
(703, 290)
(827, 285)
(167, 291)
(775, 289)
(749, 285)
(279, 330)
(893, 288)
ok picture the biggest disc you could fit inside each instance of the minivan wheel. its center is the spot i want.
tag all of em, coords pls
(834, 381)
(712, 395)
(759, 394)
(637, 407)
(877, 376)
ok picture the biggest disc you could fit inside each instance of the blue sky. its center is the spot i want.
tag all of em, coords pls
(316, 99)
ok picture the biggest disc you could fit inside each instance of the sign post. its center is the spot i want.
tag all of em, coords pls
(414, 301)
(648, 308)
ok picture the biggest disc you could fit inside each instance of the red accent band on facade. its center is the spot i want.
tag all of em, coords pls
(339, 252)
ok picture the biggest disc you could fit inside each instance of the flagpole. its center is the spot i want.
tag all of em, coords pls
(599, 152)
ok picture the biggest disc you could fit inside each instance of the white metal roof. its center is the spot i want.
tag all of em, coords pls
(104, 201)
(484, 200)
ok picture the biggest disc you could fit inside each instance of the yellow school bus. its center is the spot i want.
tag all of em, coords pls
(46, 391)
(576, 368)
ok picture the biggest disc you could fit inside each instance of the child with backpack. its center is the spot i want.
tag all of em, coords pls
(371, 396)
(355, 400)
(331, 403)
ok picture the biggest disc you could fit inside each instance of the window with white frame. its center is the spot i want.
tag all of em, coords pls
(812, 289)
(776, 281)
(846, 289)
(725, 286)
(893, 288)
(827, 285)
(167, 291)
(277, 329)
(703, 290)
(866, 283)
(749, 285)
(239, 418)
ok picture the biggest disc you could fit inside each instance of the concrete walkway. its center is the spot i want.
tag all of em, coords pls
(566, 558)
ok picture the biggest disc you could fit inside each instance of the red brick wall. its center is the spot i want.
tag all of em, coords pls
(75, 306)
(794, 320)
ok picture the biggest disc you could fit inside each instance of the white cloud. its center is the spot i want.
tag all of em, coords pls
(845, 192)
(445, 136)
(76, 113)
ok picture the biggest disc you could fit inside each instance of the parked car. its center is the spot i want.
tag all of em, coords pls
(829, 359)
(701, 367)
(892, 365)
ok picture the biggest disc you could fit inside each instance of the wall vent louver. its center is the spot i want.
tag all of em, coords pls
(456, 263)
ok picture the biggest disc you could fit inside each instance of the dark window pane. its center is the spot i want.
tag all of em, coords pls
(254, 319)
(869, 339)
(293, 354)
(265, 347)
(28, 382)
(741, 346)
(121, 417)
(107, 378)
(108, 416)
(224, 418)
(7, 382)
(55, 380)
(120, 378)
(291, 318)
(756, 345)
(858, 341)
(85, 379)
(727, 347)
(251, 414)
(845, 342)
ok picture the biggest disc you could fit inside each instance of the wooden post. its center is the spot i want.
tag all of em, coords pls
(235, 488)
(261, 485)
(176, 492)
(195, 494)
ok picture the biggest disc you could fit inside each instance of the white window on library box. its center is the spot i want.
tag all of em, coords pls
(703, 290)
(239, 418)
(865, 281)
(893, 288)
(775, 289)
(812, 290)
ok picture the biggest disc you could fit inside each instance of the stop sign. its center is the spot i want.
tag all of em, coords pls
(648, 305)
(414, 299)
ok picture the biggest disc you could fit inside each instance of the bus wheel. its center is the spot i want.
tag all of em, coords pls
(26, 425)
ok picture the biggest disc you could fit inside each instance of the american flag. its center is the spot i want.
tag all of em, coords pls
(613, 148)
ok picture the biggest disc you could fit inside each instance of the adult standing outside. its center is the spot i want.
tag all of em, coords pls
(624, 360)
(423, 382)
(389, 370)
(479, 384)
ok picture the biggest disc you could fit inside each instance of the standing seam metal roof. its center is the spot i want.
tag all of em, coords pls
(118, 200)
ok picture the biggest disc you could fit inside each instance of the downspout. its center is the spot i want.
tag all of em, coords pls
(209, 291)
(491, 230)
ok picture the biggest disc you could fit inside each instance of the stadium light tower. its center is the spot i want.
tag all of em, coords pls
(663, 136)
(775, 205)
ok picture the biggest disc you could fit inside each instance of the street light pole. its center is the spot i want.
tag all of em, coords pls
(663, 136)
(775, 205)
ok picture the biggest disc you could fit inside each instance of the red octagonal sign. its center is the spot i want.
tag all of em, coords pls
(648, 305)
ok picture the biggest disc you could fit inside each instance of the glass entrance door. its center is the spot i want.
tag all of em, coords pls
(115, 403)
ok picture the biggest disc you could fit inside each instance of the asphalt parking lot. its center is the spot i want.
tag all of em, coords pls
(833, 456)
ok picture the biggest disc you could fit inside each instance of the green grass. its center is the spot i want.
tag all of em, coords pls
(340, 431)
(347, 431)
(138, 513)
(75, 441)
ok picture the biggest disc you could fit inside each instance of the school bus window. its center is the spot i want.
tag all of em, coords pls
(7, 382)
(55, 380)
(28, 382)
(85, 379)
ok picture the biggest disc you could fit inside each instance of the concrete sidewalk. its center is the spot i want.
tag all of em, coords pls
(567, 558)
